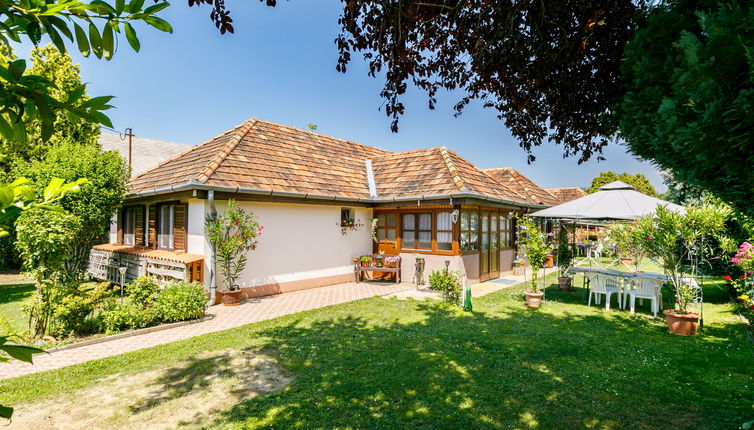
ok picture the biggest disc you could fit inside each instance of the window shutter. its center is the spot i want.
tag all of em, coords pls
(139, 225)
(119, 236)
(180, 242)
(152, 226)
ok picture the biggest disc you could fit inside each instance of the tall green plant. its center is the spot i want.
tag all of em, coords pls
(233, 234)
(532, 243)
(679, 242)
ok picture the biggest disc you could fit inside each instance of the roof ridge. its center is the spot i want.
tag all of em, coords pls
(454, 172)
(318, 135)
(230, 145)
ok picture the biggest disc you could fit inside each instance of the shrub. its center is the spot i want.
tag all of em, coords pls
(233, 234)
(449, 283)
(119, 316)
(143, 291)
(180, 301)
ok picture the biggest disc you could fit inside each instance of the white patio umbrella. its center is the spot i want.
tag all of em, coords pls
(615, 201)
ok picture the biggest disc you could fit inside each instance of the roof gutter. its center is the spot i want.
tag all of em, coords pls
(195, 185)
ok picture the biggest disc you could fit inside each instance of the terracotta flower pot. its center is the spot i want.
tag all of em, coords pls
(564, 283)
(231, 298)
(681, 324)
(549, 261)
(534, 298)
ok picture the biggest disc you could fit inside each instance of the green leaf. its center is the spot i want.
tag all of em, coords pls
(131, 37)
(95, 40)
(108, 42)
(17, 68)
(156, 8)
(61, 26)
(34, 31)
(103, 6)
(5, 411)
(159, 24)
(55, 37)
(119, 5)
(6, 197)
(20, 352)
(52, 190)
(135, 6)
(82, 41)
(6, 131)
(19, 131)
(76, 94)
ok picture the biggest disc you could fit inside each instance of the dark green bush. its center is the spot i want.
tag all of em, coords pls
(143, 291)
(180, 301)
(449, 283)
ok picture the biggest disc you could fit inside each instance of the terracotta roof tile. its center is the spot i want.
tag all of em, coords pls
(566, 194)
(264, 156)
(159, 254)
(523, 186)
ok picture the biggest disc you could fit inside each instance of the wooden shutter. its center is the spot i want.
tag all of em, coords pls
(139, 225)
(152, 226)
(119, 236)
(180, 239)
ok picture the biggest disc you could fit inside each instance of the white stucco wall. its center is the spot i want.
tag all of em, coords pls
(299, 241)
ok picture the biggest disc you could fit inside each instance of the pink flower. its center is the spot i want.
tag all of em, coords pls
(727, 278)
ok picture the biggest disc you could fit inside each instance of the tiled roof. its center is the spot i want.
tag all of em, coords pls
(264, 156)
(566, 194)
(523, 185)
(145, 153)
(260, 155)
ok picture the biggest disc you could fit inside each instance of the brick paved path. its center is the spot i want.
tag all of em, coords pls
(226, 317)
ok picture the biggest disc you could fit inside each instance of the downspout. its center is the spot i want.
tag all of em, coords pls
(213, 215)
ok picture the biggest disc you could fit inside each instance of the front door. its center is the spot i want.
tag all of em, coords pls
(489, 266)
(387, 233)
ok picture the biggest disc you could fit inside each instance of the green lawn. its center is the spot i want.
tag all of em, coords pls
(392, 364)
(12, 319)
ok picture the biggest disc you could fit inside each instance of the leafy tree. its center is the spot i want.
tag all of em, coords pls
(58, 69)
(689, 105)
(94, 205)
(638, 181)
(680, 192)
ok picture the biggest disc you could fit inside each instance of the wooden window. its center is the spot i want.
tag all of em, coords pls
(469, 231)
(443, 231)
(165, 226)
(416, 231)
(506, 231)
(129, 226)
(387, 227)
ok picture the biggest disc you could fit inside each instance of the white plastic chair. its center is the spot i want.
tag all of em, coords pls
(597, 250)
(646, 288)
(603, 285)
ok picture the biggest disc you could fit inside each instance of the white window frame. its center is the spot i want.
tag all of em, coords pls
(166, 221)
(129, 226)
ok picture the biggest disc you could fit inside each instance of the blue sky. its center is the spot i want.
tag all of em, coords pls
(280, 66)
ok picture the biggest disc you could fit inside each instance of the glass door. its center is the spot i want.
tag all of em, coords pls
(494, 247)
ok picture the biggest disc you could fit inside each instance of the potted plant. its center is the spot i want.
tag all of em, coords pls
(565, 257)
(232, 235)
(678, 241)
(549, 262)
(533, 245)
(366, 261)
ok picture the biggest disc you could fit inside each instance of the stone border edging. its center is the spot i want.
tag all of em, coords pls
(129, 334)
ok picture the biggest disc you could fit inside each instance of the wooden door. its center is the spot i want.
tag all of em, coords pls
(387, 233)
(494, 246)
(484, 247)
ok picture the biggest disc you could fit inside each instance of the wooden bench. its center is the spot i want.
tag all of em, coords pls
(359, 270)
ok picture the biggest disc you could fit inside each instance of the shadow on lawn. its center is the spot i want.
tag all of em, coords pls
(503, 366)
(14, 293)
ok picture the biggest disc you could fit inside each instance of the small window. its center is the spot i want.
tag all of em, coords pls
(166, 218)
(345, 215)
(129, 226)
(444, 231)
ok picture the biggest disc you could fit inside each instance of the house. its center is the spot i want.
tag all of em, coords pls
(301, 185)
(145, 153)
(564, 195)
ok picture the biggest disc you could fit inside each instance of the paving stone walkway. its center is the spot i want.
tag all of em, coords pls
(225, 317)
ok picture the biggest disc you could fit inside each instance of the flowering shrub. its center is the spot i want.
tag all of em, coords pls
(232, 234)
(349, 225)
(743, 287)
